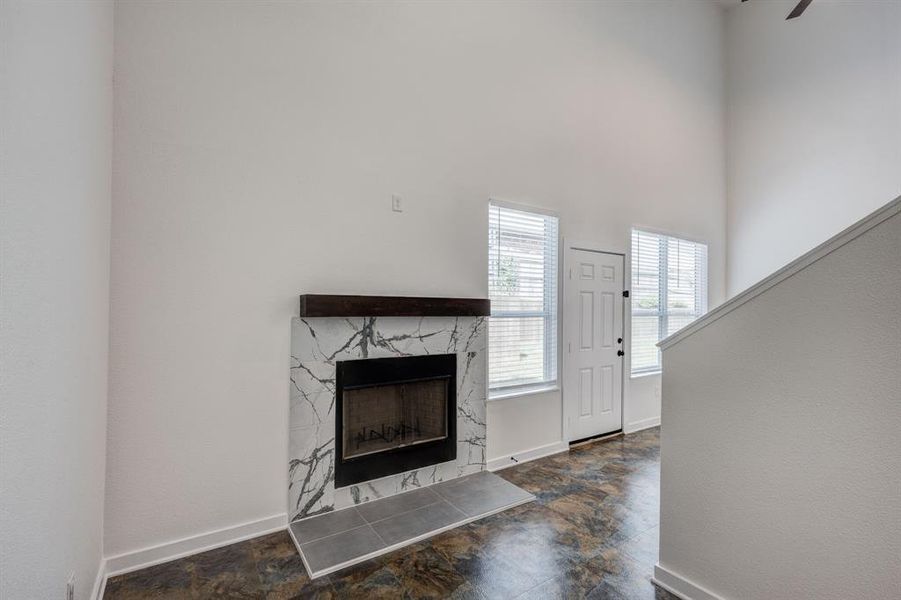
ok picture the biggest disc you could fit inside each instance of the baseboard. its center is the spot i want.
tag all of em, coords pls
(509, 460)
(154, 555)
(99, 581)
(639, 425)
(680, 586)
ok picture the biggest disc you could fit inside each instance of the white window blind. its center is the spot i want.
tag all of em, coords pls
(522, 284)
(669, 291)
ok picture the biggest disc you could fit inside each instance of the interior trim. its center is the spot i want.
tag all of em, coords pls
(99, 581)
(510, 460)
(161, 553)
(680, 586)
(636, 426)
(328, 305)
(799, 264)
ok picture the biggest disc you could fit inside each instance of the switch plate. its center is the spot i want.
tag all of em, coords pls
(70, 587)
(397, 203)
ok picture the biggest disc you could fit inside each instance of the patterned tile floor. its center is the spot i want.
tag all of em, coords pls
(592, 533)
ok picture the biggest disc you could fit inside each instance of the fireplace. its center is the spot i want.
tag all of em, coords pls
(394, 415)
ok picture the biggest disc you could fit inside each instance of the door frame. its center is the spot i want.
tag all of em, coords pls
(577, 244)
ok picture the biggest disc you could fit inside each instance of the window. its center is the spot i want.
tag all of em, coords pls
(522, 284)
(669, 291)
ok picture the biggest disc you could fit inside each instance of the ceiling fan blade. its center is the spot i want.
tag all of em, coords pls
(802, 5)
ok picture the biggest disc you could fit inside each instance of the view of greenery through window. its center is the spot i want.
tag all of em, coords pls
(522, 283)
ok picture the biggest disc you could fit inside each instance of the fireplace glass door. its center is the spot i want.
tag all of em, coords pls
(383, 417)
(394, 415)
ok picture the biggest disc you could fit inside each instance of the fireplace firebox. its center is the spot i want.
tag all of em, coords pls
(394, 415)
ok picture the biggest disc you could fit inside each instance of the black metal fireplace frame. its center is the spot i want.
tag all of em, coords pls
(352, 374)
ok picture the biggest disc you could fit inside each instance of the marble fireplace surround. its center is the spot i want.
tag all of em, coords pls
(318, 343)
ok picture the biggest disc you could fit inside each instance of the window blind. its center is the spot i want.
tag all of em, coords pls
(522, 285)
(669, 291)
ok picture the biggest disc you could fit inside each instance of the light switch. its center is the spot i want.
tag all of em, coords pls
(397, 203)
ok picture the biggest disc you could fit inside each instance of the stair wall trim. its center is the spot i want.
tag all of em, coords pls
(799, 264)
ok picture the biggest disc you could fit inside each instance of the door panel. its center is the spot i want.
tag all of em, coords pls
(586, 379)
(607, 398)
(608, 302)
(609, 273)
(586, 320)
(593, 330)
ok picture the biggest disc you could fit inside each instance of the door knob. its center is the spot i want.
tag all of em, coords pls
(619, 352)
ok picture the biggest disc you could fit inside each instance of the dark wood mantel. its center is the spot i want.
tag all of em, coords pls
(325, 305)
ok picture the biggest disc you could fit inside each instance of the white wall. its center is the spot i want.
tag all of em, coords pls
(55, 145)
(781, 462)
(814, 126)
(257, 148)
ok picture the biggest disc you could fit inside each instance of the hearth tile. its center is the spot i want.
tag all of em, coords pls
(394, 505)
(327, 340)
(468, 484)
(314, 528)
(311, 467)
(488, 499)
(325, 554)
(418, 522)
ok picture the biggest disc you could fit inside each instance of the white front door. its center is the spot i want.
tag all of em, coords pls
(593, 342)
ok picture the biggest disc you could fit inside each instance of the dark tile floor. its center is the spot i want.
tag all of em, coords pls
(592, 533)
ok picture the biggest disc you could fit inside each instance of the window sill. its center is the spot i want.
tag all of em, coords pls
(644, 374)
(492, 396)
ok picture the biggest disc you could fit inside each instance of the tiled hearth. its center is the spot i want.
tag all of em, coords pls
(342, 538)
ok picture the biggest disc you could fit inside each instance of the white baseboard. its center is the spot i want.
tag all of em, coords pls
(99, 581)
(680, 586)
(502, 462)
(154, 555)
(639, 425)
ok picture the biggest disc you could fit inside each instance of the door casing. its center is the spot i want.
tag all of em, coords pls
(567, 403)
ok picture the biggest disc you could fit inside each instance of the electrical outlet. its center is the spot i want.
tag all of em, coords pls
(70, 587)
(397, 203)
